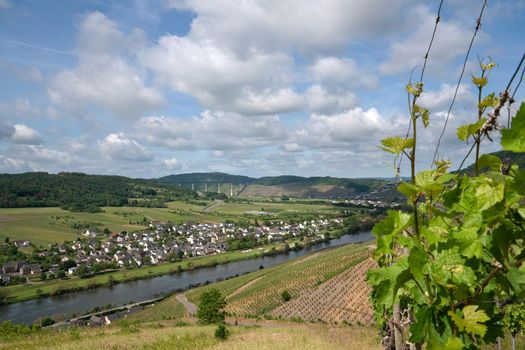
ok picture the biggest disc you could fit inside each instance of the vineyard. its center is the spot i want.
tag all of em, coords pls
(327, 286)
(344, 298)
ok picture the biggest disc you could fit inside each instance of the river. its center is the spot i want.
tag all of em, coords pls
(120, 294)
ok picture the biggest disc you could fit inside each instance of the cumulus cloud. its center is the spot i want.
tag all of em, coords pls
(450, 42)
(171, 163)
(302, 26)
(341, 72)
(117, 146)
(211, 130)
(440, 100)
(257, 83)
(25, 135)
(104, 76)
(323, 102)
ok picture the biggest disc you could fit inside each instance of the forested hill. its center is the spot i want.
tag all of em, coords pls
(205, 178)
(81, 192)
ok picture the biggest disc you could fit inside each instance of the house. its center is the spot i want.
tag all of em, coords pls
(71, 270)
(25, 269)
(90, 233)
(9, 267)
(21, 243)
(108, 319)
(35, 269)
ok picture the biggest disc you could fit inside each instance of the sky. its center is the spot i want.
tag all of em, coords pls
(147, 88)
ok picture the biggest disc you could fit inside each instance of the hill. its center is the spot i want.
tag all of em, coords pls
(275, 186)
(205, 178)
(82, 192)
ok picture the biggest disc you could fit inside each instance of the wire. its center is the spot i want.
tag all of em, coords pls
(478, 25)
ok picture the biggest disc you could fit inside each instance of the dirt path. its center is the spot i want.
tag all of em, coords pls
(191, 309)
(210, 208)
(243, 287)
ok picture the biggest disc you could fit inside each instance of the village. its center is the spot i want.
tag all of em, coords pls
(97, 252)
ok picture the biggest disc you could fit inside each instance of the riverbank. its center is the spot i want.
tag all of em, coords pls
(19, 293)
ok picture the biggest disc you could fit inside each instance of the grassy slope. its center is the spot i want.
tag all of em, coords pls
(170, 335)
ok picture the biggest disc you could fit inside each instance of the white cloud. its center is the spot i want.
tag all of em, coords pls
(117, 146)
(304, 26)
(104, 77)
(211, 130)
(451, 41)
(25, 135)
(441, 99)
(342, 72)
(321, 101)
(171, 163)
(258, 83)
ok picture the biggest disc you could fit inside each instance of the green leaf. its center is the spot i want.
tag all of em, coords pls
(465, 131)
(480, 82)
(453, 343)
(489, 161)
(419, 329)
(423, 113)
(513, 139)
(396, 144)
(489, 195)
(489, 101)
(473, 320)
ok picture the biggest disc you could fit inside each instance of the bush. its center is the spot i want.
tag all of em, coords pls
(222, 332)
(286, 295)
(48, 321)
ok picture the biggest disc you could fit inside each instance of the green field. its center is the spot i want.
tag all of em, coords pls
(40, 226)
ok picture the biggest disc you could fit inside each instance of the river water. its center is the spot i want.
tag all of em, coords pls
(120, 294)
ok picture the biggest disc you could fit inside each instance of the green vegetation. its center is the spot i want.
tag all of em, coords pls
(222, 333)
(81, 192)
(459, 254)
(174, 335)
(211, 307)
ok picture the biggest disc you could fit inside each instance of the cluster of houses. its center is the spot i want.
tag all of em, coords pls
(12, 268)
(162, 242)
(368, 203)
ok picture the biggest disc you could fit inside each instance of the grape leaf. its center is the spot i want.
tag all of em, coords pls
(396, 144)
(465, 131)
(513, 139)
(480, 82)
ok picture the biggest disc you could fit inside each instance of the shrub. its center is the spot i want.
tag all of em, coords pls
(286, 295)
(222, 332)
(48, 321)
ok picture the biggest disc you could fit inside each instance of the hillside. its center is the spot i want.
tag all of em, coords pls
(274, 186)
(81, 192)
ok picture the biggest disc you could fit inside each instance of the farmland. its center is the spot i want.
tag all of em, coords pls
(43, 226)
(328, 286)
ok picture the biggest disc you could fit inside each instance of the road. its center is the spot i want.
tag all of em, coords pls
(210, 207)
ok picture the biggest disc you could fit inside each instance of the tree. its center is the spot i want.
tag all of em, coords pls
(211, 307)
(48, 321)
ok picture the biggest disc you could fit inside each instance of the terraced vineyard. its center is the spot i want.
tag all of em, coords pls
(342, 298)
(264, 294)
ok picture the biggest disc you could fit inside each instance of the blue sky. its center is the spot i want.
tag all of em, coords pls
(149, 88)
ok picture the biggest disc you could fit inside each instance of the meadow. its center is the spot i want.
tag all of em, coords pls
(44, 226)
